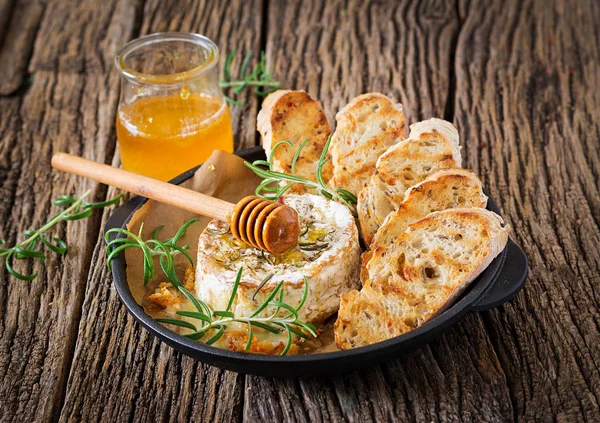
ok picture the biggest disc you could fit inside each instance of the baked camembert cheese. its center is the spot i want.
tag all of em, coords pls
(327, 254)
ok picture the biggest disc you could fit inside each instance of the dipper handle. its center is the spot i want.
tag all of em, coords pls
(264, 224)
(164, 192)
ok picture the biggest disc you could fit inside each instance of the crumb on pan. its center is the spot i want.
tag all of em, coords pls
(189, 282)
(236, 340)
(164, 297)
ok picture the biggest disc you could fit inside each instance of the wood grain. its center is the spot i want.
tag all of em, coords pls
(39, 318)
(338, 50)
(5, 14)
(38, 326)
(529, 106)
(114, 354)
(520, 79)
(17, 35)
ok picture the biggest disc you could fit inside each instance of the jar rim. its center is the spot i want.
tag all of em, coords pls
(160, 37)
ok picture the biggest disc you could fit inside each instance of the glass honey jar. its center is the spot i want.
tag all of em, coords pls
(172, 113)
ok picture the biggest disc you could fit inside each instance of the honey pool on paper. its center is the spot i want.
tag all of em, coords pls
(162, 137)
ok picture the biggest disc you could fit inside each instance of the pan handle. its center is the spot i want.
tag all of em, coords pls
(509, 281)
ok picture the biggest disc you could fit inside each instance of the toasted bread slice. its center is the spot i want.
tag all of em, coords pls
(294, 116)
(422, 273)
(432, 145)
(365, 128)
(445, 189)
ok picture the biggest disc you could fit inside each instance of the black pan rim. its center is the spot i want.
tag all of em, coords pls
(401, 344)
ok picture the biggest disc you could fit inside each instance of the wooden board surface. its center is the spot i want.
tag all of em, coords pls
(520, 79)
(526, 105)
(153, 381)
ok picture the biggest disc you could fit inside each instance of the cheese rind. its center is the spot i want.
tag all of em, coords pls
(328, 255)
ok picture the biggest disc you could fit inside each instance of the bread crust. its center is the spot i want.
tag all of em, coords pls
(294, 116)
(445, 189)
(423, 272)
(365, 128)
(432, 145)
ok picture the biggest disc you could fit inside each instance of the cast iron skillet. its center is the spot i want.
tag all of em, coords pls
(496, 285)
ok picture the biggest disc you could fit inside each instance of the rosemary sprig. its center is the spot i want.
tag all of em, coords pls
(151, 248)
(212, 323)
(76, 209)
(258, 78)
(271, 188)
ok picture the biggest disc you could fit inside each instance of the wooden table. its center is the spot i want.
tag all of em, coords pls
(520, 79)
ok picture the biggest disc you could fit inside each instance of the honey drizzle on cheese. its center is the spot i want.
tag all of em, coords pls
(231, 253)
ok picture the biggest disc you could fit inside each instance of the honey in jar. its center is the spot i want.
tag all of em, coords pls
(172, 114)
(162, 137)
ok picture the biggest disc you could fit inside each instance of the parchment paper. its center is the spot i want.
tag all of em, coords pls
(224, 176)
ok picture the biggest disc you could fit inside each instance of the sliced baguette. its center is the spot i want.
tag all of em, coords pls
(421, 274)
(445, 189)
(294, 116)
(365, 128)
(432, 145)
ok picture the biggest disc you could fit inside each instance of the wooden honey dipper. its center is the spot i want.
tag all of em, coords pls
(264, 224)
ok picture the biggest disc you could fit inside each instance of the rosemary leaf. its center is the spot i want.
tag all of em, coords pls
(236, 284)
(181, 232)
(288, 345)
(258, 78)
(107, 203)
(263, 283)
(264, 326)
(294, 330)
(60, 247)
(250, 336)
(285, 306)
(195, 336)
(16, 274)
(194, 315)
(216, 336)
(156, 231)
(75, 209)
(64, 200)
(177, 322)
(268, 300)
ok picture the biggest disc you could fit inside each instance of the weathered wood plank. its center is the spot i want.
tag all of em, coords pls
(17, 35)
(404, 50)
(39, 318)
(527, 108)
(528, 102)
(83, 37)
(114, 354)
(337, 50)
(59, 112)
(5, 13)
